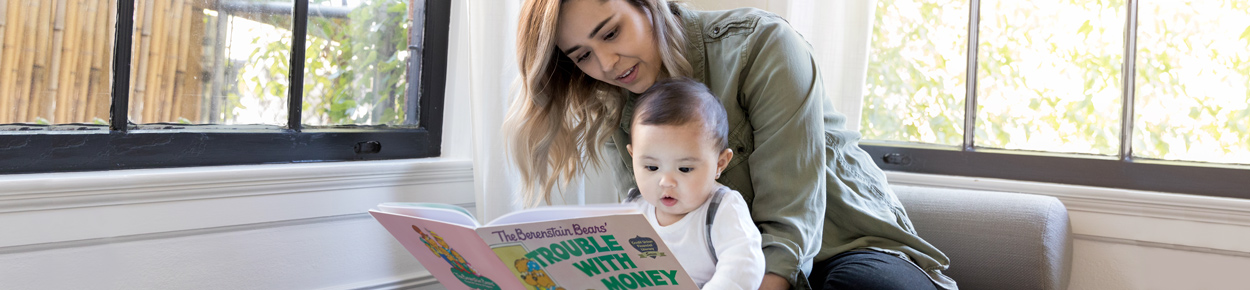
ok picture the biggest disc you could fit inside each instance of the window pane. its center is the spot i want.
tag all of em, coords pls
(355, 70)
(1048, 75)
(210, 62)
(917, 72)
(1192, 72)
(56, 65)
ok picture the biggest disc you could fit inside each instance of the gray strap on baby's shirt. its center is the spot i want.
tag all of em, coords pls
(711, 216)
(634, 195)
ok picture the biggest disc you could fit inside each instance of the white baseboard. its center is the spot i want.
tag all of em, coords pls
(1163, 246)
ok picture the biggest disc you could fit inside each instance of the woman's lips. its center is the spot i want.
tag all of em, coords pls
(629, 76)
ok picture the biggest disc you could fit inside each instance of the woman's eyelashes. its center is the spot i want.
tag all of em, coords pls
(606, 37)
(610, 35)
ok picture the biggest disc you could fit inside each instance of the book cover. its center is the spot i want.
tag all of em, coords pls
(453, 253)
(543, 249)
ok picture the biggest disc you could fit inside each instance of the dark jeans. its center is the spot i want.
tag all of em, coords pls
(867, 269)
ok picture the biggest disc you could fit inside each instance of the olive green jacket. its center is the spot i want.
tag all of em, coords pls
(802, 174)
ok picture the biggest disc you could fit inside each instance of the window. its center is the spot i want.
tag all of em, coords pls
(218, 82)
(1149, 95)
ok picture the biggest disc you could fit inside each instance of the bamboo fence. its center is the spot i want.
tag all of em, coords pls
(56, 60)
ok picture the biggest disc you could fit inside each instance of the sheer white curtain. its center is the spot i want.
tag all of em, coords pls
(491, 39)
(839, 32)
(491, 31)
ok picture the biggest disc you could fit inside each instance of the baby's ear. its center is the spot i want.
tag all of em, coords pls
(722, 161)
(630, 148)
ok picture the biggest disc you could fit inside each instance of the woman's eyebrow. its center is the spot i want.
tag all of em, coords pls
(572, 49)
(592, 34)
(600, 26)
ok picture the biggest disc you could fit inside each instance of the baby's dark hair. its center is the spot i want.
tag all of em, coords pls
(678, 101)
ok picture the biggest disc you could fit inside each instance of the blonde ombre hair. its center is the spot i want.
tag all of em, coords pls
(561, 115)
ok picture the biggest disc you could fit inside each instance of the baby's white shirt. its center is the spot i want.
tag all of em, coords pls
(740, 262)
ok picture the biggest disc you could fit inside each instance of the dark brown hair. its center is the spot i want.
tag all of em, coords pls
(681, 100)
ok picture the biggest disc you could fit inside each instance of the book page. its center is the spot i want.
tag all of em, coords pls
(619, 251)
(550, 213)
(434, 211)
(453, 253)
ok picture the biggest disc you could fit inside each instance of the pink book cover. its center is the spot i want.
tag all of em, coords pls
(453, 253)
(551, 248)
(617, 251)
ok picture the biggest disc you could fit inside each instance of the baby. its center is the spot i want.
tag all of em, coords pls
(679, 148)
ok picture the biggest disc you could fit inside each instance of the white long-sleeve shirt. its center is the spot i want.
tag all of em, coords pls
(740, 259)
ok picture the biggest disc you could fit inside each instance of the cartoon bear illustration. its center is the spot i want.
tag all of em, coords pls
(534, 275)
(441, 249)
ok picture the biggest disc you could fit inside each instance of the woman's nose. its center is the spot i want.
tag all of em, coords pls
(607, 61)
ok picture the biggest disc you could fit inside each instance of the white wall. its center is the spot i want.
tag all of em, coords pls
(290, 226)
(295, 226)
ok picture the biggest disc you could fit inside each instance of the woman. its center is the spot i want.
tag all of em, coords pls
(822, 206)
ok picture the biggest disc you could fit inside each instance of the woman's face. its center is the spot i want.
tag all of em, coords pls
(610, 40)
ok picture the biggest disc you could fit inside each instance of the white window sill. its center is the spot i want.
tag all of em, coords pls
(61, 207)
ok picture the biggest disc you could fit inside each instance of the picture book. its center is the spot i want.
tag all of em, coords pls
(605, 247)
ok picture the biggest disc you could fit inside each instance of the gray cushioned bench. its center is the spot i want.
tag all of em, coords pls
(995, 240)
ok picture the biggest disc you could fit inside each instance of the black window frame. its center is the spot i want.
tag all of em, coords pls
(1123, 171)
(75, 147)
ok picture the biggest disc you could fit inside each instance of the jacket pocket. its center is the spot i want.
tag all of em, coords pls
(731, 27)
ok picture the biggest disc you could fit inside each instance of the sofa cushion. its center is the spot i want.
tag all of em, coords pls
(995, 240)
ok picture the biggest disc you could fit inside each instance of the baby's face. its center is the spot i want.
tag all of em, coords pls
(675, 167)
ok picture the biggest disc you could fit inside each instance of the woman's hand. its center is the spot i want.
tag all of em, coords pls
(774, 282)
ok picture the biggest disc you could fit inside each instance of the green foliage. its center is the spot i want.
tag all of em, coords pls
(909, 94)
(1194, 68)
(1050, 77)
(355, 67)
(1246, 35)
